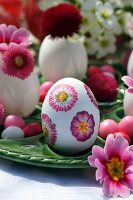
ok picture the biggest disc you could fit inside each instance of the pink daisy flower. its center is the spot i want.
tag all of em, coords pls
(10, 34)
(114, 166)
(63, 97)
(82, 126)
(17, 61)
(91, 96)
(129, 82)
(2, 113)
(49, 129)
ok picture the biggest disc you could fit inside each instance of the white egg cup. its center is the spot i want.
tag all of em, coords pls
(60, 58)
(19, 96)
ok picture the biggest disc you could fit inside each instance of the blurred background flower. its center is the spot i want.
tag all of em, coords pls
(105, 25)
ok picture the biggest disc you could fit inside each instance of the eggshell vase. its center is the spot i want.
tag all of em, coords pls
(70, 117)
(130, 65)
(60, 58)
(19, 96)
(128, 103)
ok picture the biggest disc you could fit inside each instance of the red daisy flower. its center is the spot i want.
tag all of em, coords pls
(104, 87)
(60, 21)
(17, 61)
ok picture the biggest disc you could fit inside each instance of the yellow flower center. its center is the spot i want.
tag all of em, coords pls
(83, 127)
(19, 61)
(115, 169)
(105, 14)
(104, 43)
(45, 130)
(62, 96)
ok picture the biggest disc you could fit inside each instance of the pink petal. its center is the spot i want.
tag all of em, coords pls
(115, 147)
(2, 38)
(20, 36)
(101, 173)
(106, 187)
(114, 189)
(129, 180)
(91, 160)
(127, 80)
(3, 47)
(11, 30)
(120, 189)
(130, 90)
(98, 152)
(3, 28)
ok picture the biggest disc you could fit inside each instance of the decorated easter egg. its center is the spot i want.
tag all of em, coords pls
(70, 117)
(60, 58)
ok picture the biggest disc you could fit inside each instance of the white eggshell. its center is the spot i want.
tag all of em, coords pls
(60, 58)
(128, 103)
(70, 117)
(19, 96)
(130, 65)
(12, 132)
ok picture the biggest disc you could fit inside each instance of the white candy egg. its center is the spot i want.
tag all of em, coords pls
(12, 132)
(70, 117)
(60, 58)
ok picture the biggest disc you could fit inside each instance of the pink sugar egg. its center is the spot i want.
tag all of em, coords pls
(44, 88)
(126, 125)
(107, 127)
(14, 120)
(124, 135)
(32, 129)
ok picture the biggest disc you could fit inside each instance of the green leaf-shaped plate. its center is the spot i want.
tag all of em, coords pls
(34, 151)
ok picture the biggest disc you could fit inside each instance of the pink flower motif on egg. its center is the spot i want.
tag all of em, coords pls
(49, 129)
(91, 96)
(63, 97)
(82, 126)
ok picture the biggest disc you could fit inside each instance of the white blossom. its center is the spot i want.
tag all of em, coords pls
(104, 13)
(105, 45)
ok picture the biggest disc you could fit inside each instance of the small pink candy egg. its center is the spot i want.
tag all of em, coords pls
(108, 68)
(14, 120)
(32, 129)
(126, 125)
(107, 127)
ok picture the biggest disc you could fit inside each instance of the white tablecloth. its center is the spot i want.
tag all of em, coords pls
(24, 182)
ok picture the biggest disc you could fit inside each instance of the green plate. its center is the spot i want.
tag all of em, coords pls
(34, 151)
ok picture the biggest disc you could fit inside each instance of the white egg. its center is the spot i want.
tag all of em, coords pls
(60, 58)
(128, 103)
(12, 132)
(70, 117)
(130, 65)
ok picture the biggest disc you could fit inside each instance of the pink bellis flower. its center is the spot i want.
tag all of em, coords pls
(17, 61)
(129, 82)
(10, 34)
(114, 165)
